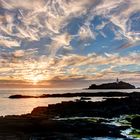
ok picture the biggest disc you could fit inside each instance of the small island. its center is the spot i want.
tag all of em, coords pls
(114, 85)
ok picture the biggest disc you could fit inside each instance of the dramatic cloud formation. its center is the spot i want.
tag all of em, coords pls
(69, 40)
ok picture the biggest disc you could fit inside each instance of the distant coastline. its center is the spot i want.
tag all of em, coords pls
(70, 95)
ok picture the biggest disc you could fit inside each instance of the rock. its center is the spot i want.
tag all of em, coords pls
(21, 96)
(136, 122)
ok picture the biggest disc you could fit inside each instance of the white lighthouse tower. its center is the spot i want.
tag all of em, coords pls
(117, 81)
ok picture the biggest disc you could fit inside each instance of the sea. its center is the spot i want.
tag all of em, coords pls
(24, 106)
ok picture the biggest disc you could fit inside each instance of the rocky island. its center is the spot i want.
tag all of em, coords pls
(115, 85)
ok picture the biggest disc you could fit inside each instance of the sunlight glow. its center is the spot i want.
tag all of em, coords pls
(35, 79)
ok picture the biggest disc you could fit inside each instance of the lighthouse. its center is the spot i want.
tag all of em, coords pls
(117, 81)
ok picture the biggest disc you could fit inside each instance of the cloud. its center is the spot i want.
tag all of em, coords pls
(26, 4)
(101, 26)
(59, 41)
(7, 42)
(85, 33)
(19, 53)
(32, 20)
(47, 24)
(126, 45)
(120, 13)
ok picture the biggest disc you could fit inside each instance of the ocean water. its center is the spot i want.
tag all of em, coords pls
(23, 106)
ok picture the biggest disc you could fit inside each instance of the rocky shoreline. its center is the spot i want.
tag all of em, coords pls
(89, 119)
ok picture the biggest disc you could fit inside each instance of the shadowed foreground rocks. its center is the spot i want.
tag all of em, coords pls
(109, 108)
(136, 122)
(24, 128)
(43, 123)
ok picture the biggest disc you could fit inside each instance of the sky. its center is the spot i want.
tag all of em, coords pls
(69, 43)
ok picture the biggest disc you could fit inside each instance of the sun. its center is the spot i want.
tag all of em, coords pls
(37, 79)
(34, 79)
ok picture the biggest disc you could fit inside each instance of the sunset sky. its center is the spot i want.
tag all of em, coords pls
(68, 43)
